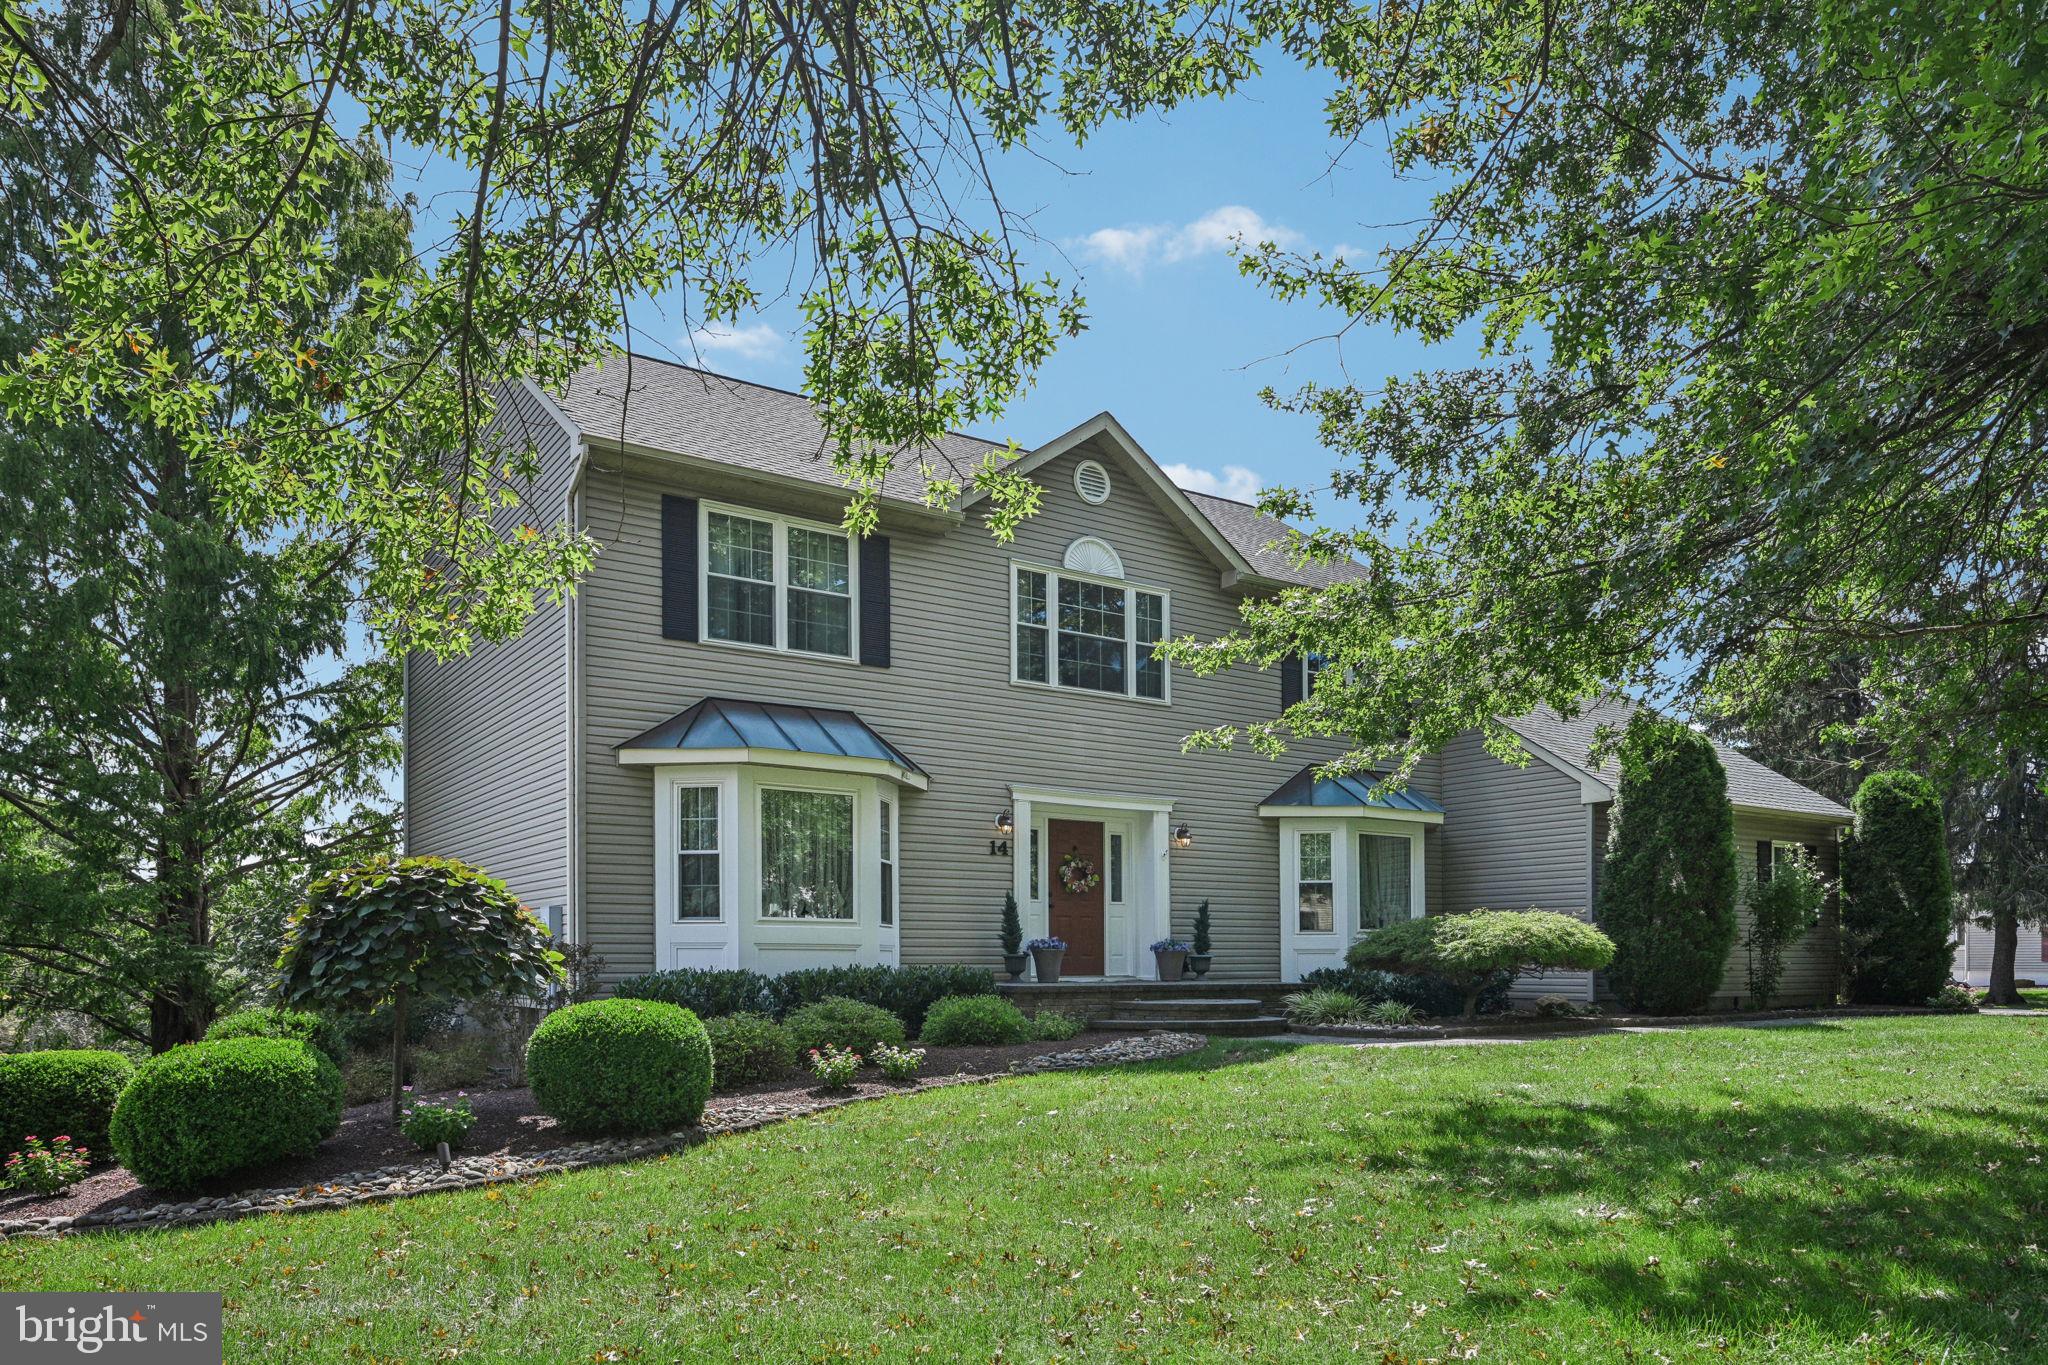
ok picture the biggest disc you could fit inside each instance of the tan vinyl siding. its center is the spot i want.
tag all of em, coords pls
(949, 704)
(486, 760)
(1810, 964)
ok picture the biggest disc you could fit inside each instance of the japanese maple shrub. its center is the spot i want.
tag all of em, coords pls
(403, 929)
(1468, 950)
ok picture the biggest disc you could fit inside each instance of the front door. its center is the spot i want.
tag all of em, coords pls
(1076, 916)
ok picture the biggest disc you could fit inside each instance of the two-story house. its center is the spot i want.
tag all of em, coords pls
(750, 740)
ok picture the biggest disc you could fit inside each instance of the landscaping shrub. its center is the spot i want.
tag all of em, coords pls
(975, 1021)
(1953, 999)
(906, 992)
(620, 1066)
(366, 1077)
(428, 1124)
(67, 1093)
(213, 1108)
(461, 1061)
(1391, 1013)
(707, 992)
(1896, 893)
(319, 1030)
(835, 1067)
(838, 1022)
(1427, 994)
(898, 1063)
(1781, 912)
(1466, 950)
(1668, 880)
(364, 1031)
(1319, 1007)
(1056, 1026)
(746, 1048)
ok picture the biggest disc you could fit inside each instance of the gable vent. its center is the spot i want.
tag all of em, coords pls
(1091, 481)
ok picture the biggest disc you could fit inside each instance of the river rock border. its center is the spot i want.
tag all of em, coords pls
(399, 1182)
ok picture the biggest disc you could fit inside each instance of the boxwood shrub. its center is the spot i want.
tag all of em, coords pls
(210, 1109)
(838, 1022)
(63, 1093)
(906, 992)
(706, 992)
(620, 1066)
(320, 1030)
(746, 1048)
(1428, 994)
(975, 1021)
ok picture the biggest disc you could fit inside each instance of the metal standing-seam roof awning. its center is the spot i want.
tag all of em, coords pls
(1306, 794)
(725, 730)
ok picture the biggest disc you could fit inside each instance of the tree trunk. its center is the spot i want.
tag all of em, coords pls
(2005, 952)
(398, 1049)
(1472, 1002)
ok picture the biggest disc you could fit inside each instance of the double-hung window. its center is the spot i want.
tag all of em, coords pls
(697, 895)
(888, 863)
(1315, 885)
(1088, 634)
(777, 584)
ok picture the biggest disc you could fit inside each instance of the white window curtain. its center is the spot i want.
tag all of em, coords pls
(806, 855)
(1315, 901)
(1383, 886)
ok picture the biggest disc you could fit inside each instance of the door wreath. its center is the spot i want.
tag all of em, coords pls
(1077, 874)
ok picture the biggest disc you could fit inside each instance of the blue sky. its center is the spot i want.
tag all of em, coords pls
(1178, 344)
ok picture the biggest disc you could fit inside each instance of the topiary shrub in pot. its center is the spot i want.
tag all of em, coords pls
(1015, 959)
(210, 1109)
(620, 1066)
(61, 1093)
(975, 1021)
(848, 1024)
(1468, 949)
(746, 1048)
(318, 1030)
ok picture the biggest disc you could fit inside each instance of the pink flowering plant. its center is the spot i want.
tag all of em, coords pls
(429, 1124)
(46, 1167)
(898, 1063)
(835, 1067)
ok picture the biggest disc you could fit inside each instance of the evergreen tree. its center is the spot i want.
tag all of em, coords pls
(1897, 897)
(1668, 882)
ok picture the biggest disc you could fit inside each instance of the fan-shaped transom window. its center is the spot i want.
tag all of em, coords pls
(1091, 481)
(1091, 554)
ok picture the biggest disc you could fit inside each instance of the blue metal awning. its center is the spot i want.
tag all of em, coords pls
(1305, 791)
(745, 731)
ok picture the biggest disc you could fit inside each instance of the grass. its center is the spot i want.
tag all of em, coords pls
(1859, 1190)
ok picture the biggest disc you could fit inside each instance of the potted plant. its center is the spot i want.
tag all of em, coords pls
(1170, 955)
(1014, 956)
(1045, 957)
(1198, 954)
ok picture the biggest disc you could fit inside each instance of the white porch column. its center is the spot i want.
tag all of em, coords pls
(1155, 918)
(1020, 867)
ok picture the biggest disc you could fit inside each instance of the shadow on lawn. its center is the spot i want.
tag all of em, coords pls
(1948, 1203)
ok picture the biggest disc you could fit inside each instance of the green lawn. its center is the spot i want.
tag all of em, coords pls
(1861, 1190)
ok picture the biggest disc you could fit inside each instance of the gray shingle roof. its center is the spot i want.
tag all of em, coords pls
(1750, 783)
(711, 417)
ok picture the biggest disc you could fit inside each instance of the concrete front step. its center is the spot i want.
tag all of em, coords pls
(1203, 1007)
(1255, 1026)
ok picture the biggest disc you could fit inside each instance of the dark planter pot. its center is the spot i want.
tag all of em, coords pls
(1171, 965)
(1047, 963)
(1198, 963)
(1015, 963)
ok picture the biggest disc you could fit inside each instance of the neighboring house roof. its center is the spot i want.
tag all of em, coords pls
(1305, 789)
(695, 413)
(722, 724)
(1750, 783)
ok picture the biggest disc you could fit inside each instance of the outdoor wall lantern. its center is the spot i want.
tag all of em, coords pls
(1183, 837)
(1006, 824)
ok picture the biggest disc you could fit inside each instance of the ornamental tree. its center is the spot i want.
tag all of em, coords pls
(1782, 910)
(1668, 882)
(399, 928)
(1469, 950)
(1896, 892)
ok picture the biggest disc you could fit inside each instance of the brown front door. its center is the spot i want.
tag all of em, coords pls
(1076, 916)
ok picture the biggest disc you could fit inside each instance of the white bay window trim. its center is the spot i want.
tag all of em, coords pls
(1303, 951)
(1134, 651)
(782, 585)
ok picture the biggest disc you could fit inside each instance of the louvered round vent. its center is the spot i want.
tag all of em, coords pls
(1091, 481)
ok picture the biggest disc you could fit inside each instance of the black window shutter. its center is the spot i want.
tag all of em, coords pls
(1763, 861)
(874, 601)
(678, 568)
(1290, 681)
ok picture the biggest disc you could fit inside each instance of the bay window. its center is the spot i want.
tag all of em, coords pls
(697, 894)
(777, 584)
(1315, 887)
(806, 855)
(1088, 634)
(1383, 881)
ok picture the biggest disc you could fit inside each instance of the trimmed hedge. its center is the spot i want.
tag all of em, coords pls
(1426, 994)
(620, 1066)
(975, 1021)
(62, 1093)
(746, 1048)
(318, 1030)
(838, 1022)
(210, 1109)
(1897, 916)
(706, 992)
(1468, 949)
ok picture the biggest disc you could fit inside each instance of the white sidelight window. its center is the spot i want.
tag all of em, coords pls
(806, 855)
(774, 583)
(1315, 886)
(1385, 879)
(1088, 634)
(697, 854)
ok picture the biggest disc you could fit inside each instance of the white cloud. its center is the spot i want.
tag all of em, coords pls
(758, 342)
(1218, 231)
(1235, 481)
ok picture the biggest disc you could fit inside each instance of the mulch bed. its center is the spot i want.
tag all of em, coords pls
(507, 1124)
